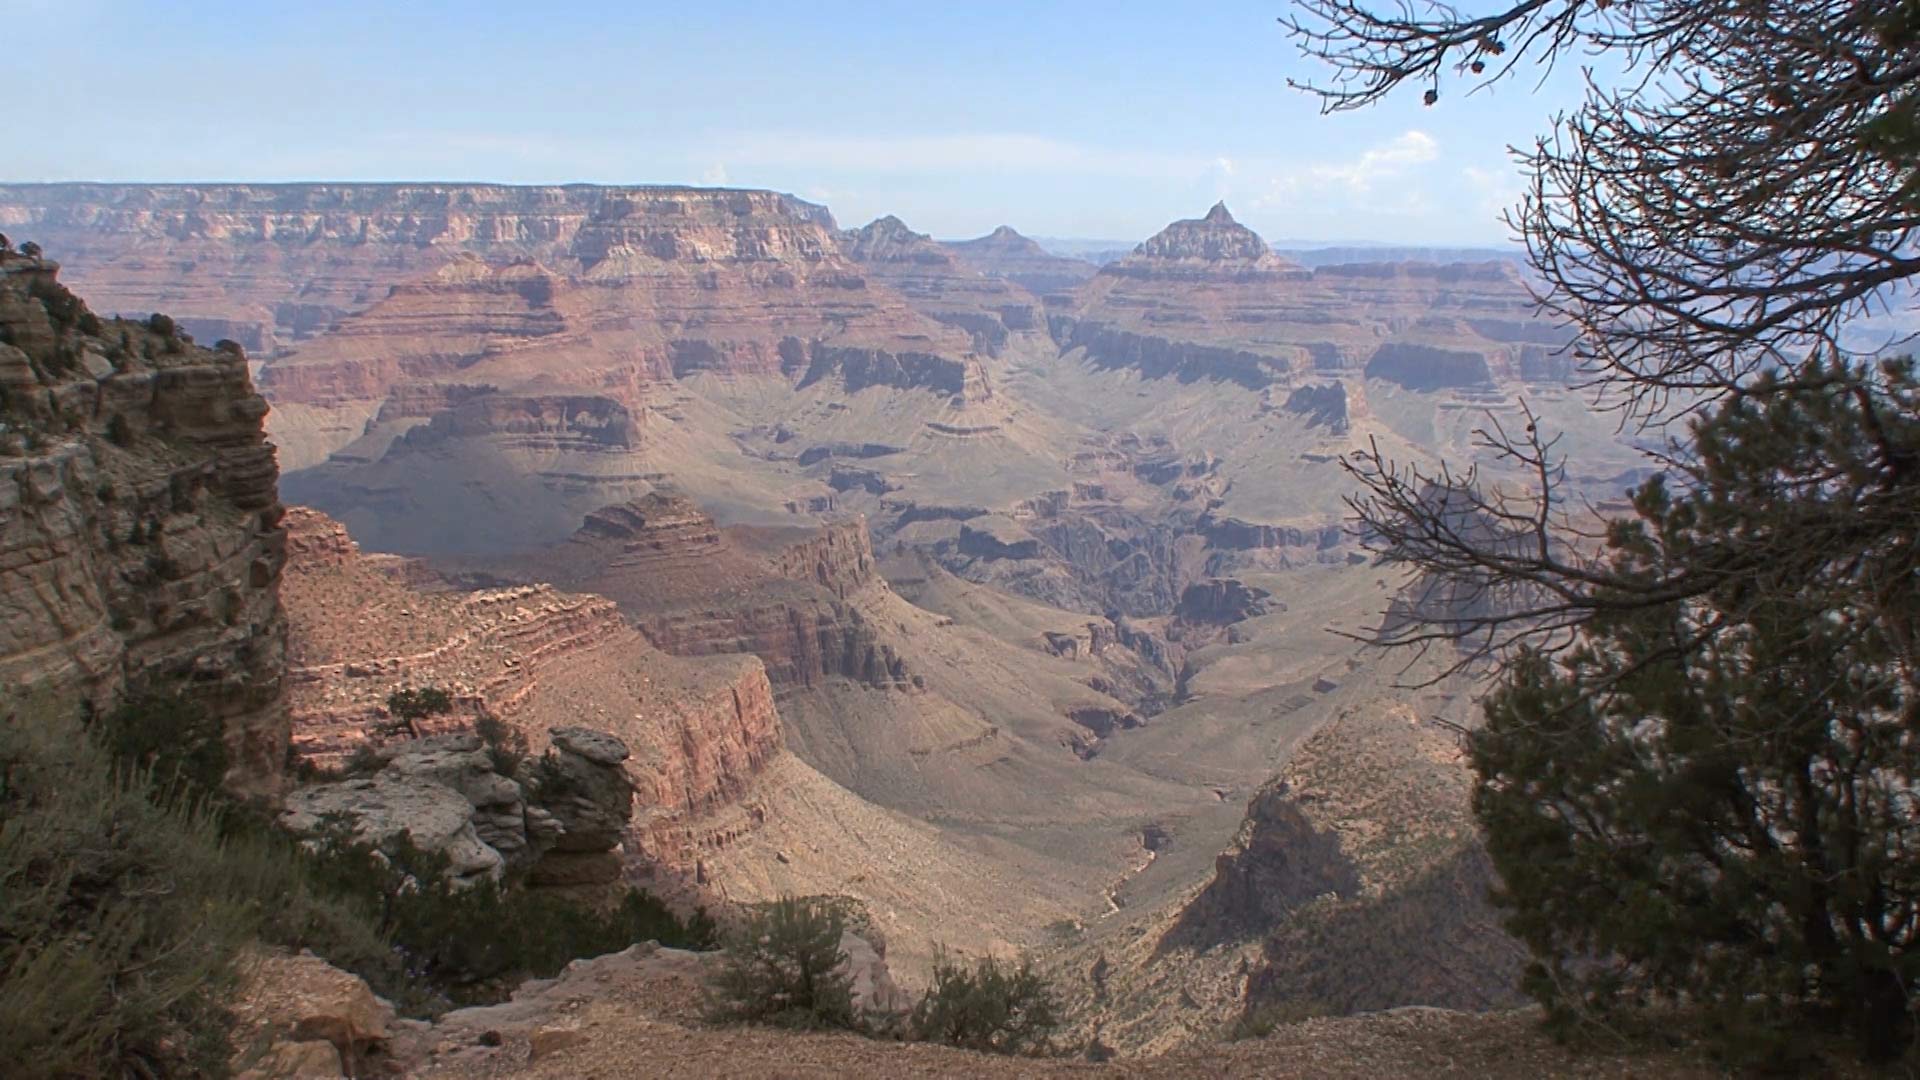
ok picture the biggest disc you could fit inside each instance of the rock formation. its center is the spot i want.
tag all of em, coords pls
(140, 539)
(945, 286)
(538, 659)
(1206, 299)
(696, 590)
(1210, 248)
(562, 816)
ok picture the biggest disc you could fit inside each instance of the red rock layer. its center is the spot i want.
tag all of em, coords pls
(531, 655)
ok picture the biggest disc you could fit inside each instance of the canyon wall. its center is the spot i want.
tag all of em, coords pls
(786, 596)
(140, 537)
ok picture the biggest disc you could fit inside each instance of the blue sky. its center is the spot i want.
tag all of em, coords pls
(1067, 119)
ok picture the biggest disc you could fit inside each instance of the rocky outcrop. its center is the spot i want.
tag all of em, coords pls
(839, 559)
(1425, 367)
(275, 264)
(1220, 601)
(1214, 247)
(801, 643)
(659, 526)
(858, 451)
(563, 818)
(858, 368)
(997, 540)
(1279, 863)
(788, 596)
(1206, 300)
(943, 286)
(1233, 534)
(578, 424)
(302, 1017)
(140, 538)
(1323, 406)
(1160, 357)
(380, 810)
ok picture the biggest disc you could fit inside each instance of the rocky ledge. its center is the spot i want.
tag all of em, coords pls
(561, 816)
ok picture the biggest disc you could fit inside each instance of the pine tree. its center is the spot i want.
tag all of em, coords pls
(1714, 801)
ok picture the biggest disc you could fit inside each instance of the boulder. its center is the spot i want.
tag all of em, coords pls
(312, 1016)
(381, 808)
(582, 784)
(310, 1060)
(500, 813)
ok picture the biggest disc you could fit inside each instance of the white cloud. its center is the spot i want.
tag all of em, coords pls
(1374, 168)
(715, 175)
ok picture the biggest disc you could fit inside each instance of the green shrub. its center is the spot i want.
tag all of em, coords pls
(506, 744)
(784, 967)
(170, 737)
(992, 1006)
(414, 704)
(117, 841)
(120, 923)
(470, 945)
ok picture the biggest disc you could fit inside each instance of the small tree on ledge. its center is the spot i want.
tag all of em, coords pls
(414, 704)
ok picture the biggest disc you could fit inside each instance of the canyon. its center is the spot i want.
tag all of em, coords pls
(989, 587)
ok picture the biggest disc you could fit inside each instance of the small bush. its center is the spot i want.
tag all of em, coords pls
(784, 967)
(364, 761)
(161, 324)
(993, 1006)
(414, 704)
(506, 744)
(170, 738)
(119, 922)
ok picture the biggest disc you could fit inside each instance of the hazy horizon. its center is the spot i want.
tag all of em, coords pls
(1077, 121)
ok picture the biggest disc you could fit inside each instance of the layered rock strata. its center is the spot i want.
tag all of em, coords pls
(787, 596)
(140, 537)
(536, 658)
(1207, 299)
(944, 286)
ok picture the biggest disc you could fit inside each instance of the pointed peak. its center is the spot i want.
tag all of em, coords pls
(888, 224)
(1005, 232)
(1215, 245)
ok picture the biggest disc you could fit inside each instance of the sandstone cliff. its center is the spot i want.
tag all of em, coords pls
(140, 539)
